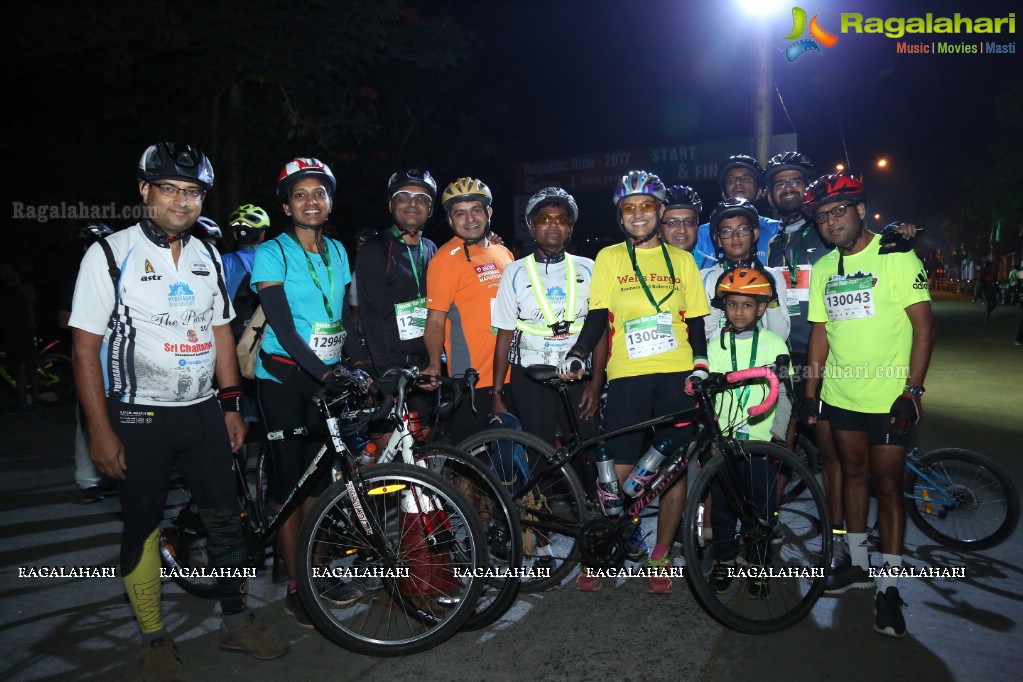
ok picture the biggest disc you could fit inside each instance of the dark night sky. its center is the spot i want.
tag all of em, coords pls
(572, 77)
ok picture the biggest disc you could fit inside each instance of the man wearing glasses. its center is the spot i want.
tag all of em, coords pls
(681, 220)
(741, 177)
(150, 313)
(390, 274)
(873, 332)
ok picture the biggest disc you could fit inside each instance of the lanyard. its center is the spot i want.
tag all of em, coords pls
(325, 255)
(541, 297)
(642, 280)
(745, 390)
(794, 258)
(418, 259)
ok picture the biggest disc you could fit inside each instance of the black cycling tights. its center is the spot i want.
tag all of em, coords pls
(193, 439)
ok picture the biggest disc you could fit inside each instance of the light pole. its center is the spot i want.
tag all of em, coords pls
(763, 100)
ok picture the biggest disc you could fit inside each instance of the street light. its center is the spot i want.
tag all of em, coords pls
(839, 167)
(882, 163)
(763, 109)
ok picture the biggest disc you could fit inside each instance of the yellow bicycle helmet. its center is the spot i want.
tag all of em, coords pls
(466, 189)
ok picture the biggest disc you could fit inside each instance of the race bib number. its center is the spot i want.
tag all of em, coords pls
(792, 301)
(326, 340)
(411, 317)
(849, 299)
(650, 335)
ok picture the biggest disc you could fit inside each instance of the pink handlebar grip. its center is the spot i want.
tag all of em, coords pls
(757, 373)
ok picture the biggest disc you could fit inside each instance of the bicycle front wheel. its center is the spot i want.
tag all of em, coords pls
(755, 566)
(416, 551)
(556, 498)
(479, 484)
(807, 452)
(961, 499)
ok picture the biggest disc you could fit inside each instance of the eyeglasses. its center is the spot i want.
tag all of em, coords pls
(740, 180)
(405, 197)
(169, 190)
(675, 223)
(561, 220)
(836, 212)
(730, 232)
(796, 183)
(642, 207)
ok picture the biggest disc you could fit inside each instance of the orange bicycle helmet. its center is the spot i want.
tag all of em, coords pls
(752, 282)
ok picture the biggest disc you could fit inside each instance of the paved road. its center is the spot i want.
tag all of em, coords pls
(64, 629)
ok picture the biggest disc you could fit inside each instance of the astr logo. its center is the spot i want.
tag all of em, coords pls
(816, 32)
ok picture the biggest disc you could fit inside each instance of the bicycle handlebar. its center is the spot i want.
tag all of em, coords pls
(757, 373)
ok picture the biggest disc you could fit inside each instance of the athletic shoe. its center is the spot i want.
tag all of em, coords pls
(758, 587)
(333, 591)
(584, 582)
(720, 579)
(635, 547)
(888, 618)
(847, 577)
(92, 494)
(294, 607)
(253, 639)
(160, 661)
(660, 583)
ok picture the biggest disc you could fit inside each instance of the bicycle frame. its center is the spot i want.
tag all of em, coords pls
(708, 435)
(938, 482)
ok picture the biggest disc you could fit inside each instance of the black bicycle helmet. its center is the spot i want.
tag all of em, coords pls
(170, 160)
(733, 207)
(741, 161)
(683, 196)
(93, 232)
(788, 161)
(418, 177)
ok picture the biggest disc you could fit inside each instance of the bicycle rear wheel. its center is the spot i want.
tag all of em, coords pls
(557, 497)
(961, 499)
(429, 561)
(777, 565)
(483, 490)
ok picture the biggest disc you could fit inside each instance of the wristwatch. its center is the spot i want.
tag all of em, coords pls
(914, 391)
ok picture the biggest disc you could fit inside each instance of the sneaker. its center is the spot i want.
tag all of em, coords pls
(294, 607)
(888, 618)
(720, 579)
(635, 547)
(254, 639)
(160, 661)
(584, 582)
(92, 494)
(847, 577)
(661, 582)
(336, 592)
(758, 587)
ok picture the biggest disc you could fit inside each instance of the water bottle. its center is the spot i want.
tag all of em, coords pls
(646, 467)
(607, 483)
(369, 455)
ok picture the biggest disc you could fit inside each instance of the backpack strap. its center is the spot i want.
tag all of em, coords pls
(221, 284)
(115, 272)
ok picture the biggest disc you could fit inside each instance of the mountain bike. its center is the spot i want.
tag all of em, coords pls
(781, 552)
(408, 537)
(54, 371)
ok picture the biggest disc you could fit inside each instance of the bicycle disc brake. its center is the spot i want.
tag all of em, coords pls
(602, 543)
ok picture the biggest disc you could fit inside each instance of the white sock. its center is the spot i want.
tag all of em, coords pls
(890, 561)
(858, 553)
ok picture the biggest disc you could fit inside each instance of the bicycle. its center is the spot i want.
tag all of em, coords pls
(55, 374)
(956, 497)
(468, 475)
(791, 544)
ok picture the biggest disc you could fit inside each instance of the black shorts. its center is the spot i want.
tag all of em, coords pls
(878, 426)
(631, 400)
(540, 409)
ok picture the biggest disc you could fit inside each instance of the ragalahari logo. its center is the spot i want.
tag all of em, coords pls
(817, 33)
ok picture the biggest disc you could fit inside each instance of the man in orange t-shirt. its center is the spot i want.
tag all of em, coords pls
(461, 286)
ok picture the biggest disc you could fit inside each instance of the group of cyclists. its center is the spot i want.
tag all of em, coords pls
(159, 384)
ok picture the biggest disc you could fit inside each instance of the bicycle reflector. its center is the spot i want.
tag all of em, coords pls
(386, 489)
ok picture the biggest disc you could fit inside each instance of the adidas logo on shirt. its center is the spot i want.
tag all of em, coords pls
(921, 281)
